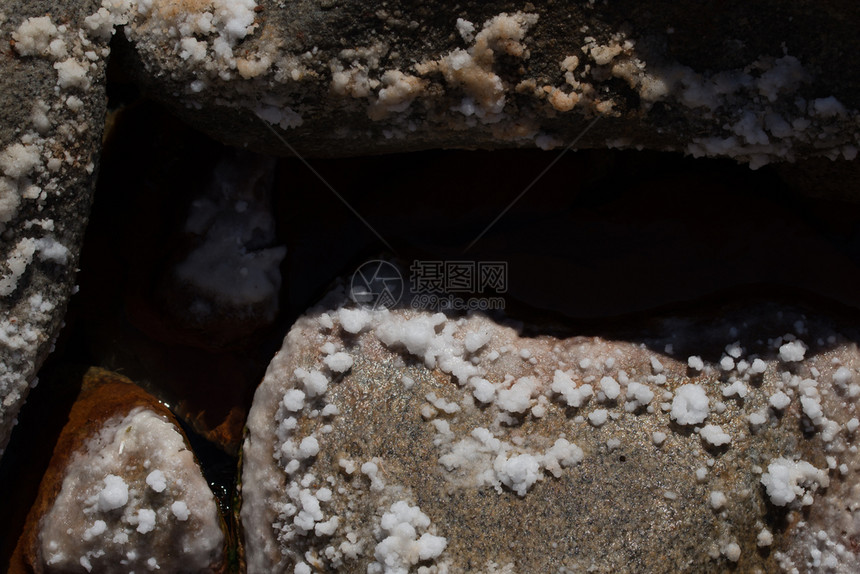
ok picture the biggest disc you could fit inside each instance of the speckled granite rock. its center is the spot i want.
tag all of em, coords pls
(123, 492)
(52, 109)
(389, 441)
(759, 82)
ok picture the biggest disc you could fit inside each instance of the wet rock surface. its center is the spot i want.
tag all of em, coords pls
(200, 345)
(123, 491)
(381, 441)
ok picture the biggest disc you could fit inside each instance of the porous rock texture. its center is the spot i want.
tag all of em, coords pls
(52, 110)
(123, 492)
(760, 82)
(395, 441)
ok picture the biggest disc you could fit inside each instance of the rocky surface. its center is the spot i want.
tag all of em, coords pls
(394, 441)
(342, 78)
(123, 492)
(52, 109)
(765, 83)
(409, 441)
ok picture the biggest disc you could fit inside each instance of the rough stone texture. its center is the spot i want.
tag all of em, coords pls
(338, 442)
(342, 78)
(52, 108)
(123, 491)
(760, 82)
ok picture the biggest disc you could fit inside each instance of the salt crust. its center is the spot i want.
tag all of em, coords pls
(690, 405)
(234, 269)
(132, 494)
(485, 457)
(402, 547)
(753, 113)
(714, 435)
(787, 481)
(47, 151)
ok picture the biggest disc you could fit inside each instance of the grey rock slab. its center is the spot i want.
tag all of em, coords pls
(394, 441)
(763, 82)
(52, 109)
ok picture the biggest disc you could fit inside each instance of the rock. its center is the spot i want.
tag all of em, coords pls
(52, 109)
(349, 78)
(381, 441)
(342, 78)
(123, 491)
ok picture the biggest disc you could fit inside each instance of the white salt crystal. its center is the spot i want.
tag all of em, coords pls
(690, 405)
(156, 481)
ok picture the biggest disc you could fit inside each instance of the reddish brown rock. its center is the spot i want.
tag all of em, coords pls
(123, 491)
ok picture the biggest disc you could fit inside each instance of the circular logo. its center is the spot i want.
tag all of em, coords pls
(376, 285)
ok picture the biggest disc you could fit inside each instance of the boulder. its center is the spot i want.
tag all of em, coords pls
(759, 82)
(123, 492)
(52, 111)
(389, 440)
